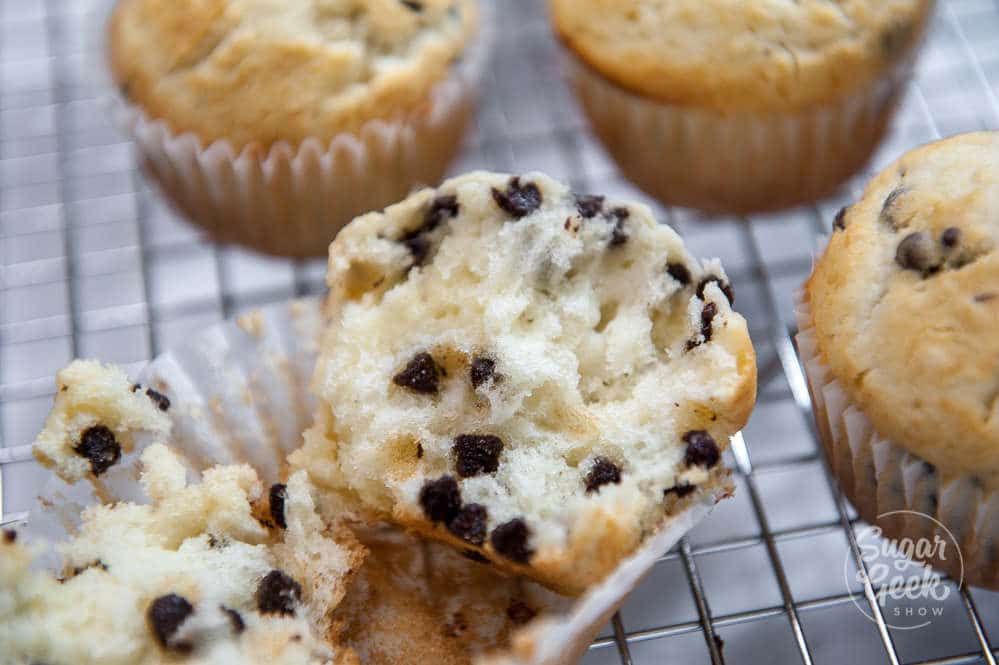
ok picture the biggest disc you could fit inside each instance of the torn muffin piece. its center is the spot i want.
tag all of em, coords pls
(551, 355)
(192, 577)
(92, 424)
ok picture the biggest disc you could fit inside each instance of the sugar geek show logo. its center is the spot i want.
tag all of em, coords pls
(909, 594)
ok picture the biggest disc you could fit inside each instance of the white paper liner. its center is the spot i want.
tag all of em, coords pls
(738, 162)
(880, 476)
(291, 200)
(239, 393)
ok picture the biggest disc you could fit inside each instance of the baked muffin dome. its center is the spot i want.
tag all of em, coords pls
(262, 71)
(905, 303)
(731, 54)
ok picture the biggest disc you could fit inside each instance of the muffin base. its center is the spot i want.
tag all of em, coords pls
(880, 476)
(291, 200)
(737, 162)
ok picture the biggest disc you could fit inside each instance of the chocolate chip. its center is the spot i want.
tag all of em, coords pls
(159, 398)
(135, 387)
(441, 499)
(520, 612)
(510, 540)
(619, 236)
(708, 315)
(235, 619)
(680, 272)
(916, 252)
(474, 556)
(278, 594)
(413, 5)
(519, 200)
(589, 206)
(482, 371)
(476, 453)
(887, 215)
(680, 491)
(470, 524)
(97, 563)
(165, 616)
(725, 287)
(839, 222)
(278, 495)
(99, 445)
(950, 237)
(603, 472)
(421, 375)
(701, 449)
(419, 451)
(9, 536)
(416, 241)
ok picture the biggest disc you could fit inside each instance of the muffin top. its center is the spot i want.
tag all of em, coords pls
(905, 303)
(766, 55)
(262, 71)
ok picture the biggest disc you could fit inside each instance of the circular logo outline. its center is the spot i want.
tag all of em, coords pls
(863, 608)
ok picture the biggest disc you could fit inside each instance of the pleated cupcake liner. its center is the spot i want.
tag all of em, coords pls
(893, 488)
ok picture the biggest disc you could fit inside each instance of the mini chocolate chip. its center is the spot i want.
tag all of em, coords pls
(99, 445)
(278, 495)
(278, 594)
(441, 499)
(950, 237)
(165, 615)
(708, 315)
(474, 556)
(680, 490)
(986, 297)
(161, 400)
(413, 5)
(422, 374)
(589, 206)
(416, 241)
(419, 451)
(725, 287)
(887, 215)
(916, 252)
(701, 449)
(136, 387)
(476, 453)
(97, 563)
(680, 272)
(9, 536)
(510, 540)
(482, 371)
(839, 222)
(235, 619)
(602, 472)
(619, 236)
(520, 612)
(519, 200)
(470, 524)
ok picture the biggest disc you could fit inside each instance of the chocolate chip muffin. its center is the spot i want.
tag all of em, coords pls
(304, 113)
(739, 106)
(96, 414)
(899, 320)
(532, 375)
(202, 574)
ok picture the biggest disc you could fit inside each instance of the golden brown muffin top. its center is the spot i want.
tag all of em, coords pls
(764, 55)
(905, 303)
(262, 71)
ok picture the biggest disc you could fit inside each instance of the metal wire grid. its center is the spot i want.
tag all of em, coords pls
(93, 264)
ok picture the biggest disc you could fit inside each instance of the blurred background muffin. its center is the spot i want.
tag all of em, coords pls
(898, 339)
(732, 106)
(272, 124)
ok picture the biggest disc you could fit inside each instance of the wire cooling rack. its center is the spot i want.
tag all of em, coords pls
(93, 264)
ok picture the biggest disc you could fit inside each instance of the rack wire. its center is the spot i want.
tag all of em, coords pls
(93, 264)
